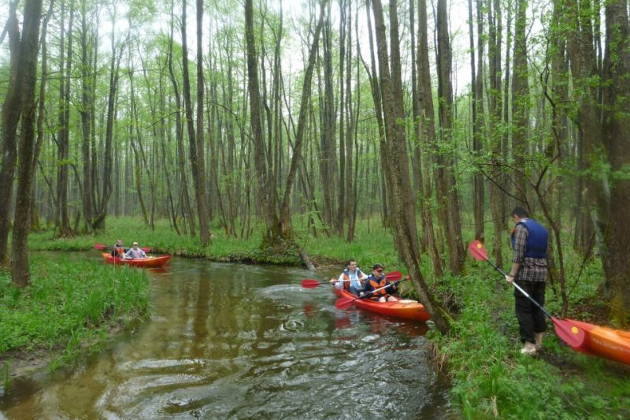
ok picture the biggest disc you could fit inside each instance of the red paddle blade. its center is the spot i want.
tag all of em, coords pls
(310, 283)
(344, 303)
(99, 246)
(146, 249)
(394, 275)
(570, 333)
(477, 250)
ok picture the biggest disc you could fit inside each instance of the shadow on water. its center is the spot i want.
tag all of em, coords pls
(228, 341)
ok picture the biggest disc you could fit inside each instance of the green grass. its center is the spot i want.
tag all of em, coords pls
(67, 305)
(490, 378)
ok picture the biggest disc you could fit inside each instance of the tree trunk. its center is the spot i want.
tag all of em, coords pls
(613, 220)
(11, 111)
(448, 190)
(29, 48)
(520, 103)
(400, 185)
(196, 144)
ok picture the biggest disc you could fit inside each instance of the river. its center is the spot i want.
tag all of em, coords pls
(233, 341)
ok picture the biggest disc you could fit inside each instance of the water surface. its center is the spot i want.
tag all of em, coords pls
(231, 341)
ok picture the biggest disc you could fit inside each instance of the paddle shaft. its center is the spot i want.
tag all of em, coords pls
(520, 289)
(372, 292)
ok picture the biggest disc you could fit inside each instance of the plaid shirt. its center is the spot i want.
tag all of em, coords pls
(531, 269)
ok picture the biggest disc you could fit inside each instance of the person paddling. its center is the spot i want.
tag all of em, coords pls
(378, 280)
(351, 279)
(135, 252)
(118, 250)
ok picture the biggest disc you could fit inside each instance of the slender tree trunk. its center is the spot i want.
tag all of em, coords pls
(29, 47)
(448, 191)
(497, 183)
(400, 185)
(426, 122)
(11, 112)
(520, 103)
(196, 144)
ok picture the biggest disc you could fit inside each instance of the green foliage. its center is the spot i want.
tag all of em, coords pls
(67, 304)
(491, 379)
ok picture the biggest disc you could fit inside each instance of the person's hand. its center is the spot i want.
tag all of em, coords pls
(509, 279)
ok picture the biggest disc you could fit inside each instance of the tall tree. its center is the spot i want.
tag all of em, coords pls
(520, 102)
(29, 48)
(612, 214)
(195, 137)
(11, 112)
(426, 123)
(396, 149)
(449, 199)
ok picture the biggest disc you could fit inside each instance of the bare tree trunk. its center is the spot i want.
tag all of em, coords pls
(195, 139)
(477, 116)
(187, 208)
(63, 220)
(426, 122)
(448, 191)
(616, 140)
(495, 102)
(29, 48)
(400, 185)
(86, 111)
(11, 112)
(520, 103)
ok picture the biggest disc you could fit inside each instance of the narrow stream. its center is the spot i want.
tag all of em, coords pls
(230, 341)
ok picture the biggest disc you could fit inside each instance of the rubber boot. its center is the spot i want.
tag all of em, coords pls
(539, 339)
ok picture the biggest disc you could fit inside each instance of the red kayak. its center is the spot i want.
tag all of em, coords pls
(138, 262)
(604, 342)
(406, 309)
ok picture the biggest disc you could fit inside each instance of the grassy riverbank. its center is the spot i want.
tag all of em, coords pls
(490, 378)
(70, 307)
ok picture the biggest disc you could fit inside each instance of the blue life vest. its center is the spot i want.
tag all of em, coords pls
(537, 239)
(353, 282)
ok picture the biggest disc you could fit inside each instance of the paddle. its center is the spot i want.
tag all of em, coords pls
(568, 332)
(146, 249)
(312, 283)
(345, 303)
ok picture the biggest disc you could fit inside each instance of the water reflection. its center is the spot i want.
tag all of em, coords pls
(244, 342)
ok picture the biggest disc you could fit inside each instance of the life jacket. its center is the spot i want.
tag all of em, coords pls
(537, 239)
(346, 276)
(377, 284)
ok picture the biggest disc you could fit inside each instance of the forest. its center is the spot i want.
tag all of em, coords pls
(431, 119)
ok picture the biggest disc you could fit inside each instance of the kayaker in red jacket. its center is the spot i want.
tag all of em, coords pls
(378, 280)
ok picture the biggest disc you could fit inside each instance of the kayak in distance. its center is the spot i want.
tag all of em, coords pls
(158, 261)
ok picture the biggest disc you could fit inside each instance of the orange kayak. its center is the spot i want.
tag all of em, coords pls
(405, 309)
(604, 342)
(138, 262)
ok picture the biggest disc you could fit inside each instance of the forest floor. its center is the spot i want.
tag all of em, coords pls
(490, 378)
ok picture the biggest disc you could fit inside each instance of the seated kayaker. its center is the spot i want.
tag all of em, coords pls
(352, 278)
(118, 250)
(378, 280)
(135, 252)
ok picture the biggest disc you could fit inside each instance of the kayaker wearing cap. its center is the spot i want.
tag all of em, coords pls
(135, 252)
(352, 278)
(118, 250)
(378, 280)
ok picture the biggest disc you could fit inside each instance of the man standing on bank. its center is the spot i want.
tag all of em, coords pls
(529, 271)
